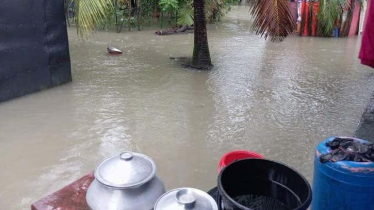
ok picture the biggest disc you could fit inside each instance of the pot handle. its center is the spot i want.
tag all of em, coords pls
(219, 202)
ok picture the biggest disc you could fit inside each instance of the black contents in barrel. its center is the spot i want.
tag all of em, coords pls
(256, 202)
(348, 149)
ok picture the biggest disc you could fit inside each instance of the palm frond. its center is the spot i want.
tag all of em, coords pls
(185, 15)
(90, 13)
(210, 7)
(330, 12)
(272, 18)
(168, 5)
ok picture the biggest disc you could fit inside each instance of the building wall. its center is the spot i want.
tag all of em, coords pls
(34, 48)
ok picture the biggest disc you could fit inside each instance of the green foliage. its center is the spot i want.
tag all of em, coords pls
(185, 15)
(147, 9)
(215, 9)
(90, 13)
(169, 5)
(330, 13)
(132, 22)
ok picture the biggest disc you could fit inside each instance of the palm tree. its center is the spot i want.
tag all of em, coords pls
(271, 18)
(201, 56)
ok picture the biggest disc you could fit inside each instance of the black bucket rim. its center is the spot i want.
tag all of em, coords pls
(222, 191)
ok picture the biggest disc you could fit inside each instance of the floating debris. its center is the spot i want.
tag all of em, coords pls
(113, 50)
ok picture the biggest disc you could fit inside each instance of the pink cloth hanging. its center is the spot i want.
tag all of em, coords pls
(367, 45)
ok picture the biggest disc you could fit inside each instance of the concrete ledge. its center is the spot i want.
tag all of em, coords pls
(365, 128)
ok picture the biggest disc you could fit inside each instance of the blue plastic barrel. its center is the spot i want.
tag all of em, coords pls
(342, 185)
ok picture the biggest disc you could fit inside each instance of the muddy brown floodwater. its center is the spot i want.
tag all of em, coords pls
(277, 99)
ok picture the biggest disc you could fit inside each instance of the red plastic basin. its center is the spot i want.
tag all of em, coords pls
(236, 155)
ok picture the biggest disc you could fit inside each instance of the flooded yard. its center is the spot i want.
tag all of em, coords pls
(279, 100)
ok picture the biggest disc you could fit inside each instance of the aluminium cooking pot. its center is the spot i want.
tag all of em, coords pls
(125, 182)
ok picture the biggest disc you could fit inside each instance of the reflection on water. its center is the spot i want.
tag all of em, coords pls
(277, 99)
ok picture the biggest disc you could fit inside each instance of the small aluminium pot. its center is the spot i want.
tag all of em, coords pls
(125, 182)
(186, 199)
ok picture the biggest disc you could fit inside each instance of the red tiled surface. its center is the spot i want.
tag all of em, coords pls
(71, 197)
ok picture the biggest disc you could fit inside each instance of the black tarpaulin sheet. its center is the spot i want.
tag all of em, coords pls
(34, 48)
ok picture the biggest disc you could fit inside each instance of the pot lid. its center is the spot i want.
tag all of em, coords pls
(186, 198)
(129, 169)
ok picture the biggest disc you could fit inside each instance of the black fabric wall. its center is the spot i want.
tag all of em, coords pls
(34, 48)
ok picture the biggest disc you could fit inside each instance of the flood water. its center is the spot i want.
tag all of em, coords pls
(276, 99)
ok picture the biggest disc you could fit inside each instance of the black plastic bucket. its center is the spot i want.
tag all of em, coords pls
(260, 184)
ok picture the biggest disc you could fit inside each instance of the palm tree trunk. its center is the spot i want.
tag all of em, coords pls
(115, 10)
(201, 56)
(139, 14)
(176, 18)
(129, 17)
(162, 16)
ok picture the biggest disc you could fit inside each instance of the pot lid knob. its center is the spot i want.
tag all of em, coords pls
(126, 156)
(186, 197)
